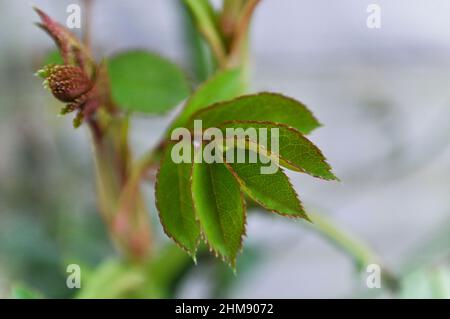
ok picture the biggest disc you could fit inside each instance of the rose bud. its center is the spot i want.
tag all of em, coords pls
(65, 81)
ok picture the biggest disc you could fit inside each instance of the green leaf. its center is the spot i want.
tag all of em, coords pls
(220, 209)
(20, 291)
(226, 282)
(223, 86)
(115, 279)
(295, 151)
(428, 282)
(174, 202)
(274, 191)
(264, 106)
(53, 57)
(145, 82)
(167, 267)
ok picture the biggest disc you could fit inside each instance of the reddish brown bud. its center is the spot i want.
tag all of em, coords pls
(66, 82)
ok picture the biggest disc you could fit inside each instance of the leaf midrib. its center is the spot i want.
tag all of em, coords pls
(217, 209)
(182, 197)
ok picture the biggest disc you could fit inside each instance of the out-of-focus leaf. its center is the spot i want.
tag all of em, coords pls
(223, 86)
(145, 82)
(167, 267)
(272, 191)
(220, 208)
(271, 107)
(225, 281)
(23, 292)
(53, 57)
(155, 278)
(174, 202)
(295, 151)
(428, 282)
(115, 279)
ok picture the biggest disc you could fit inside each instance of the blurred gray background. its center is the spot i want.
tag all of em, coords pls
(383, 96)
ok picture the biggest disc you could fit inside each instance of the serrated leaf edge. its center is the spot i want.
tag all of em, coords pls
(302, 136)
(191, 253)
(302, 215)
(217, 254)
(219, 104)
(194, 95)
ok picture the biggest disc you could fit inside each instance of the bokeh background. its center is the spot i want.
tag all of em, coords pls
(383, 96)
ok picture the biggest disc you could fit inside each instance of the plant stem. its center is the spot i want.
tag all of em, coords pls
(118, 186)
(198, 50)
(361, 254)
(239, 43)
(206, 24)
(87, 24)
(229, 18)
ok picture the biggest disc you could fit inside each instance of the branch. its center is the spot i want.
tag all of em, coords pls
(361, 254)
(203, 15)
(241, 30)
(87, 23)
